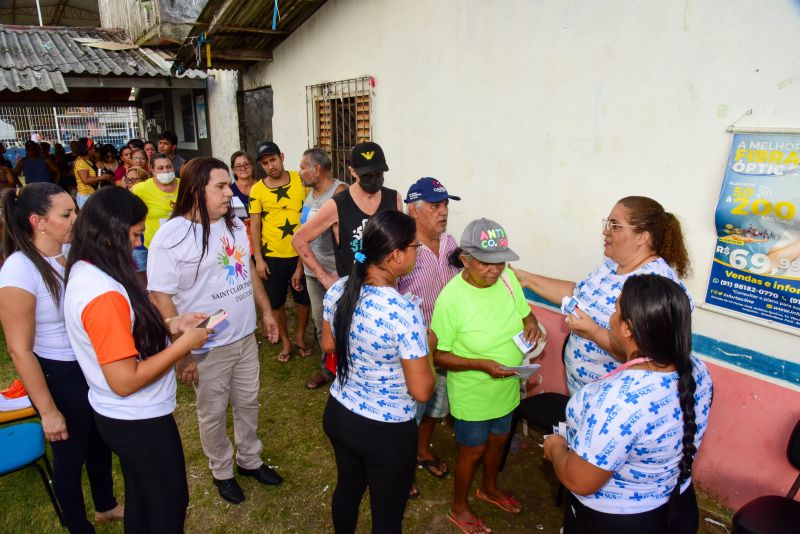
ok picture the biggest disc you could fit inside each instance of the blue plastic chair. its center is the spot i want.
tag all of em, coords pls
(23, 446)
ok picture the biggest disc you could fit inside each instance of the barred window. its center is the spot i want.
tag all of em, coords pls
(339, 116)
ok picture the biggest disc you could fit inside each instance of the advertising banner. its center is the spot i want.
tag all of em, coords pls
(756, 268)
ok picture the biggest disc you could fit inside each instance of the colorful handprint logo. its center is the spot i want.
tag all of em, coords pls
(232, 259)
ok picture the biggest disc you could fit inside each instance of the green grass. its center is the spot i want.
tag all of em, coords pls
(290, 426)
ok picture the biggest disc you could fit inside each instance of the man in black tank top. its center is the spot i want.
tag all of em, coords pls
(347, 212)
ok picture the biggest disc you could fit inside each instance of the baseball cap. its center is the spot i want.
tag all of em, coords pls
(368, 157)
(487, 241)
(267, 148)
(429, 190)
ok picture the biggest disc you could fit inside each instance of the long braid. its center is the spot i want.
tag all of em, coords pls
(686, 389)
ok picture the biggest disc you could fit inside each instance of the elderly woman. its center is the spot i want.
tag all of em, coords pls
(476, 317)
(632, 435)
(639, 238)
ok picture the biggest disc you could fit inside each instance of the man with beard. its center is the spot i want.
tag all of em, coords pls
(347, 213)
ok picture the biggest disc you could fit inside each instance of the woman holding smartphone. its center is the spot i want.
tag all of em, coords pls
(121, 343)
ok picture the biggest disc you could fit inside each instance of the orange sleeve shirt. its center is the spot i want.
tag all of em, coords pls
(107, 321)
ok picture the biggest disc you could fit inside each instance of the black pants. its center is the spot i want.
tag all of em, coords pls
(373, 454)
(69, 390)
(151, 456)
(579, 519)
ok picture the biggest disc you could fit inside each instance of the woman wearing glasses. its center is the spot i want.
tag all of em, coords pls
(139, 159)
(640, 237)
(242, 165)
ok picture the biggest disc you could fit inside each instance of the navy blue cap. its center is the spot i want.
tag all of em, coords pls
(429, 190)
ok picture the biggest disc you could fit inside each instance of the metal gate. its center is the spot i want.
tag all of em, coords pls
(106, 125)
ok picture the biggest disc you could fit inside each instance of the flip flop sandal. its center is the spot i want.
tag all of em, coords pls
(506, 505)
(435, 463)
(471, 525)
(284, 357)
(304, 352)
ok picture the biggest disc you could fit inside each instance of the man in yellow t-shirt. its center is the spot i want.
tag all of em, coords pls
(159, 194)
(275, 205)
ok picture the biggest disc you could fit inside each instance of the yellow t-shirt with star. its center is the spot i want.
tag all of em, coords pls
(280, 209)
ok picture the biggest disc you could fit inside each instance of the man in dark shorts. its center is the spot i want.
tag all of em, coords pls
(276, 202)
(347, 212)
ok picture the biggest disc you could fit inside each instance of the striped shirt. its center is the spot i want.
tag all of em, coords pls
(430, 275)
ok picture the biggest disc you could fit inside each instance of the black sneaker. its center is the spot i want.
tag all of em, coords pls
(263, 474)
(230, 490)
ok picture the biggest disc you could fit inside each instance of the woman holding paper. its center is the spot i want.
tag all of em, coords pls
(632, 435)
(475, 319)
(639, 238)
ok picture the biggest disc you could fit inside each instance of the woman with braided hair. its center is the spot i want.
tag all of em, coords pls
(632, 435)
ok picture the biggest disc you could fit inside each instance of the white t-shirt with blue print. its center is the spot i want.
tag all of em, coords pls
(632, 424)
(584, 360)
(386, 328)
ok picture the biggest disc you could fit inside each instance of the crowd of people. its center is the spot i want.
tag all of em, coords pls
(109, 295)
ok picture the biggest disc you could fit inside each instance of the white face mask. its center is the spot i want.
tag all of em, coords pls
(165, 177)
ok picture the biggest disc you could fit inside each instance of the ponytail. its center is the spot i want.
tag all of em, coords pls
(345, 309)
(454, 258)
(672, 247)
(647, 215)
(18, 206)
(387, 231)
(686, 389)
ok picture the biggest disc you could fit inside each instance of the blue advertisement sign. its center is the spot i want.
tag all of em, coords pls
(756, 268)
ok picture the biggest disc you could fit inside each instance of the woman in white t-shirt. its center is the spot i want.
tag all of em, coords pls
(382, 368)
(121, 343)
(36, 236)
(632, 435)
(639, 237)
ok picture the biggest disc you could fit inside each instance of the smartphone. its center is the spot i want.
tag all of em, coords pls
(212, 320)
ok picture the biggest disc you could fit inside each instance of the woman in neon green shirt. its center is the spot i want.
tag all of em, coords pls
(475, 318)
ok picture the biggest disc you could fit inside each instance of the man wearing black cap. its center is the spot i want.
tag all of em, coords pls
(276, 202)
(347, 213)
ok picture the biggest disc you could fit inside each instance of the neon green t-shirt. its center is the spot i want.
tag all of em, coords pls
(159, 206)
(476, 322)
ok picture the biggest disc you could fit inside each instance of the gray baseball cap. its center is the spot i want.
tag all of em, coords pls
(487, 241)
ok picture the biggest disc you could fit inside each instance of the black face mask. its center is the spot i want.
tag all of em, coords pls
(372, 182)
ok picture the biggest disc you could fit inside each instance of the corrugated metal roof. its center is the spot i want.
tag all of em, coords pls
(33, 57)
(241, 31)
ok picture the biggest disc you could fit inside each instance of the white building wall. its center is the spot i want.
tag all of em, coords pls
(222, 113)
(542, 114)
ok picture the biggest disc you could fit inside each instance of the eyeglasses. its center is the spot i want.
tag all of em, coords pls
(242, 167)
(611, 226)
(134, 158)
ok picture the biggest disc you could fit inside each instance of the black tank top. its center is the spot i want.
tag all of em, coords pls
(351, 226)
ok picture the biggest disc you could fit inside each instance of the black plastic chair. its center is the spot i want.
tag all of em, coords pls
(542, 411)
(773, 514)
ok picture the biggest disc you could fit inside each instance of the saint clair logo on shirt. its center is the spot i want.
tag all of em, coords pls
(231, 259)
